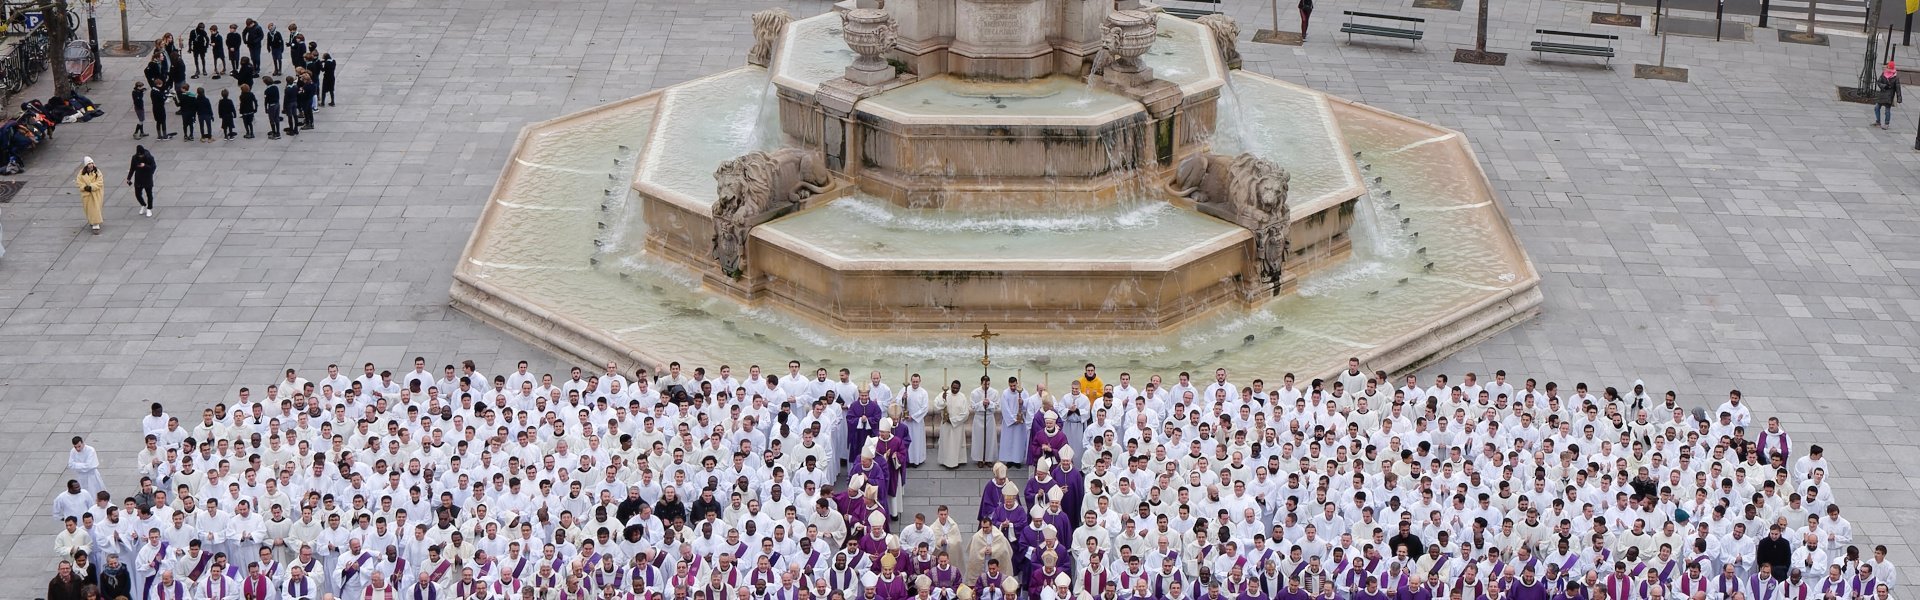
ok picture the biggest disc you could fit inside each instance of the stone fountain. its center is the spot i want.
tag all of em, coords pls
(1097, 180)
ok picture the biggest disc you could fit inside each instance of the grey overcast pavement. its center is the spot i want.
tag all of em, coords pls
(1742, 230)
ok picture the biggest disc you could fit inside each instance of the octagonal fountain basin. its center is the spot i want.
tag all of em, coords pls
(861, 263)
(556, 256)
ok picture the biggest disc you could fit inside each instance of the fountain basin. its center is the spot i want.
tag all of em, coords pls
(823, 265)
(597, 241)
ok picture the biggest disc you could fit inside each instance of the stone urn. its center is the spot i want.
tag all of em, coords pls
(1129, 34)
(870, 33)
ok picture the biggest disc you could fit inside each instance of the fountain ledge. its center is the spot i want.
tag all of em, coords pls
(472, 294)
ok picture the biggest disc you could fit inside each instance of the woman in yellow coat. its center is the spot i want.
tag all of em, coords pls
(92, 192)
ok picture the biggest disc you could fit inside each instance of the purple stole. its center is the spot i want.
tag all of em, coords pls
(357, 565)
(1617, 586)
(158, 556)
(1351, 576)
(255, 588)
(1342, 574)
(1603, 562)
(1689, 585)
(1637, 569)
(1864, 587)
(201, 567)
(223, 588)
(179, 591)
(1567, 567)
(986, 581)
(300, 588)
(945, 578)
(757, 575)
(464, 588)
(600, 577)
(1780, 440)
(271, 569)
(399, 570)
(519, 567)
(1763, 587)
(1094, 577)
(546, 581)
(813, 560)
(1838, 588)
(645, 573)
(432, 592)
(1442, 563)
(1667, 571)
(1725, 591)
(438, 572)
(593, 560)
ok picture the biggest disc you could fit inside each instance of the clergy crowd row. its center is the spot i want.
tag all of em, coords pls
(672, 484)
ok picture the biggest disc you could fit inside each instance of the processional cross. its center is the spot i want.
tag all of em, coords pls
(986, 344)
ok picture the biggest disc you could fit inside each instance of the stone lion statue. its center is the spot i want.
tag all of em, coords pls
(1226, 36)
(754, 187)
(1258, 193)
(767, 26)
(1246, 189)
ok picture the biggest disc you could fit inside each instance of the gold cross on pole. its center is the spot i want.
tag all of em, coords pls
(985, 336)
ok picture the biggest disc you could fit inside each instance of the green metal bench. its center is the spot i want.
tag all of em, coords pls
(1406, 32)
(1544, 46)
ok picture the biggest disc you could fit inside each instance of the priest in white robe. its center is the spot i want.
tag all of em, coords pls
(985, 402)
(914, 400)
(956, 411)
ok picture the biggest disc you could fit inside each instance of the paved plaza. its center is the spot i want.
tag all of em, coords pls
(1743, 230)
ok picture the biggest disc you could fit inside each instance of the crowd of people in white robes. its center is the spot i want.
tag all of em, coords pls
(676, 484)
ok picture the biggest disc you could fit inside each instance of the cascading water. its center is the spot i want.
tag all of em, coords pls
(1230, 135)
(766, 134)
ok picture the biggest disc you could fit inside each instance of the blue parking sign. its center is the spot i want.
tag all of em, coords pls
(34, 19)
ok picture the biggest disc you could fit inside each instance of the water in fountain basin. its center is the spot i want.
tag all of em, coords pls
(703, 123)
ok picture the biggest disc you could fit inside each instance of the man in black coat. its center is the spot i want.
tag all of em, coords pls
(254, 35)
(115, 580)
(65, 584)
(1774, 550)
